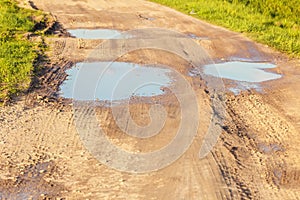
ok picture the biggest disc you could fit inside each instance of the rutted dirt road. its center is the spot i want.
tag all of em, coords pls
(256, 156)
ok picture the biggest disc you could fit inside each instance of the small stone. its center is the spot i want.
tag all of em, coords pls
(192, 12)
(39, 97)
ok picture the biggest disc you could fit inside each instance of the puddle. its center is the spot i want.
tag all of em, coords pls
(278, 174)
(114, 81)
(97, 34)
(247, 75)
(151, 18)
(251, 59)
(242, 86)
(193, 36)
(267, 149)
(146, 18)
(242, 71)
(31, 184)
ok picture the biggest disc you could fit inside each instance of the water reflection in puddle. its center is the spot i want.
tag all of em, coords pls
(97, 34)
(246, 74)
(242, 71)
(114, 81)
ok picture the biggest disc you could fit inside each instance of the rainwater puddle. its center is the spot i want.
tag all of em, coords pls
(243, 86)
(242, 71)
(115, 81)
(196, 37)
(269, 148)
(31, 184)
(97, 34)
(247, 75)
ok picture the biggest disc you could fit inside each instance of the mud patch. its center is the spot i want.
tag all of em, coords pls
(31, 184)
(106, 81)
(97, 34)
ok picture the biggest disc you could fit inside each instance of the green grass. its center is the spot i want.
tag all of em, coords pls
(272, 22)
(17, 54)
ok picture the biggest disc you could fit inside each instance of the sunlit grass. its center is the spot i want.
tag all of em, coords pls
(17, 54)
(272, 22)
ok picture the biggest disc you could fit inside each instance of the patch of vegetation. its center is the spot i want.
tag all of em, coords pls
(272, 22)
(17, 53)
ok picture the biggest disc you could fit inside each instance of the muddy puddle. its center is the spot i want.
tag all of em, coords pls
(98, 34)
(246, 75)
(268, 149)
(105, 81)
(31, 184)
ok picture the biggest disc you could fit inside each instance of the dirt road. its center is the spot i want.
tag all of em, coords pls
(256, 156)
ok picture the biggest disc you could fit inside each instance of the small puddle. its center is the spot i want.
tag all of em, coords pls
(97, 34)
(115, 81)
(243, 86)
(247, 75)
(196, 37)
(146, 18)
(31, 184)
(267, 149)
(242, 71)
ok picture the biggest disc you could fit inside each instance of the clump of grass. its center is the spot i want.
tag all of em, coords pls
(17, 54)
(272, 22)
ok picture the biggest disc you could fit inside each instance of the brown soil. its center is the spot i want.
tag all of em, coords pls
(256, 156)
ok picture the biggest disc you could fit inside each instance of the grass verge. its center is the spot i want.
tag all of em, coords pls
(272, 22)
(17, 54)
